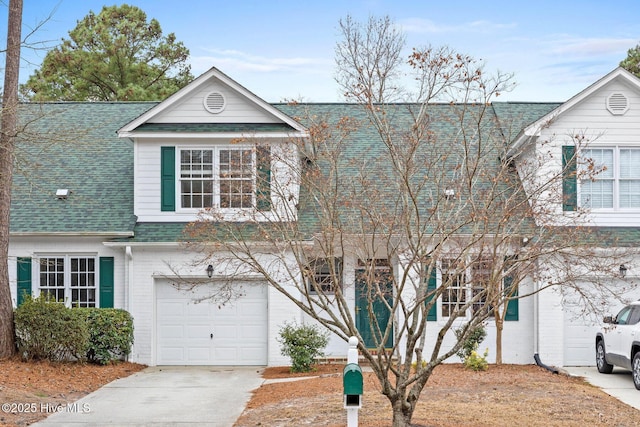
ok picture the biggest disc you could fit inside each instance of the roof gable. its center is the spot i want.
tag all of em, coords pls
(210, 101)
(533, 130)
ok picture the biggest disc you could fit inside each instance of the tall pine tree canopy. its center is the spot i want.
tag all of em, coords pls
(632, 62)
(113, 56)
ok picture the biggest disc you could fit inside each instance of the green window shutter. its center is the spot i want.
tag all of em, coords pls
(569, 179)
(167, 179)
(510, 291)
(24, 278)
(263, 178)
(432, 315)
(106, 282)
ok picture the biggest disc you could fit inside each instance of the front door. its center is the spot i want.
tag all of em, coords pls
(374, 287)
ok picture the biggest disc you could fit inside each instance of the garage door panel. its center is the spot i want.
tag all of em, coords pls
(184, 328)
(199, 331)
(171, 353)
(226, 332)
(168, 309)
(168, 332)
(199, 354)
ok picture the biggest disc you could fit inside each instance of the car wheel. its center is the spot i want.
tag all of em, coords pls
(601, 361)
(636, 370)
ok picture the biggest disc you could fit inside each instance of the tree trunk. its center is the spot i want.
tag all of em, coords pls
(8, 126)
(402, 411)
(401, 417)
(499, 328)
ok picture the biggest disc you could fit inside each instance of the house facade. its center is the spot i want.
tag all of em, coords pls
(103, 192)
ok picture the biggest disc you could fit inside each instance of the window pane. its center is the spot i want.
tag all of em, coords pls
(480, 282)
(196, 174)
(630, 164)
(630, 193)
(597, 163)
(596, 194)
(322, 273)
(454, 294)
(83, 282)
(236, 178)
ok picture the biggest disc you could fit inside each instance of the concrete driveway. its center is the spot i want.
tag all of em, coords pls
(618, 384)
(165, 396)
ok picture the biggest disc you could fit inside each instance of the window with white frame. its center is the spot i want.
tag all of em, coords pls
(69, 279)
(462, 284)
(454, 296)
(324, 275)
(610, 178)
(220, 177)
(479, 283)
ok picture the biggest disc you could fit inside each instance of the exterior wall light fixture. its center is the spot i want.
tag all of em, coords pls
(210, 271)
(623, 271)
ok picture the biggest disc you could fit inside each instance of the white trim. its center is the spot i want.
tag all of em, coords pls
(71, 234)
(214, 135)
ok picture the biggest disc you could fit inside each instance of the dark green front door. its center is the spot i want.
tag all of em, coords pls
(373, 288)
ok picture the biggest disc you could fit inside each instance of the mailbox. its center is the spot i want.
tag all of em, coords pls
(352, 384)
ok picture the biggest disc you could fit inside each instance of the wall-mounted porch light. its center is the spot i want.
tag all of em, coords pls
(623, 271)
(210, 271)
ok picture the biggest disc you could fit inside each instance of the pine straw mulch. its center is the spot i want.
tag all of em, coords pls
(507, 395)
(30, 389)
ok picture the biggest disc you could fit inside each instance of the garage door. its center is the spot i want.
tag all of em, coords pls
(191, 333)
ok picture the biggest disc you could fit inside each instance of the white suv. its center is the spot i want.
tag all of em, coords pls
(618, 343)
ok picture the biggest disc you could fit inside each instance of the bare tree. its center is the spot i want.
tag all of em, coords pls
(9, 119)
(401, 206)
(369, 58)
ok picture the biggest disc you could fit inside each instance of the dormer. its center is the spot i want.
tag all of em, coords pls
(591, 144)
(215, 147)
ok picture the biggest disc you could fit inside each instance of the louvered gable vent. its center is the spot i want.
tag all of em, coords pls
(214, 102)
(617, 103)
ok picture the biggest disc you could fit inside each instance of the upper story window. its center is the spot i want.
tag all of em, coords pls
(69, 279)
(610, 178)
(217, 177)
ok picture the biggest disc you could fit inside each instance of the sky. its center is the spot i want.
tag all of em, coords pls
(283, 49)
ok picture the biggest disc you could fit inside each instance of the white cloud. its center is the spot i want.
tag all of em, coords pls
(423, 26)
(586, 47)
(234, 60)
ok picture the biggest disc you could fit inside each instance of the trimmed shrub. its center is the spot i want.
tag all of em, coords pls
(110, 334)
(302, 344)
(46, 329)
(476, 362)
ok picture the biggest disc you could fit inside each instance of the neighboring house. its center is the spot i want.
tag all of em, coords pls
(101, 198)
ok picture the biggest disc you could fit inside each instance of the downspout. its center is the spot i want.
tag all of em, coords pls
(536, 331)
(128, 277)
(128, 280)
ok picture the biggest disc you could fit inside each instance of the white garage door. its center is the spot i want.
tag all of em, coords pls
(190, 333)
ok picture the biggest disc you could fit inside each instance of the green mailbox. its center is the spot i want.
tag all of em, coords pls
(352, 384)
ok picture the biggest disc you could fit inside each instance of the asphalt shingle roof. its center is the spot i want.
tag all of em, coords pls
(75, 146)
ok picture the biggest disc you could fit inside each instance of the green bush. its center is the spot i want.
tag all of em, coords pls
(476, 362)
(110, 334)
(46, 329)
(302, 343)
(472, 342)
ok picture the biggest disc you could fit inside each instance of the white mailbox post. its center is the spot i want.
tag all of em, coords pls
(352, 384)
